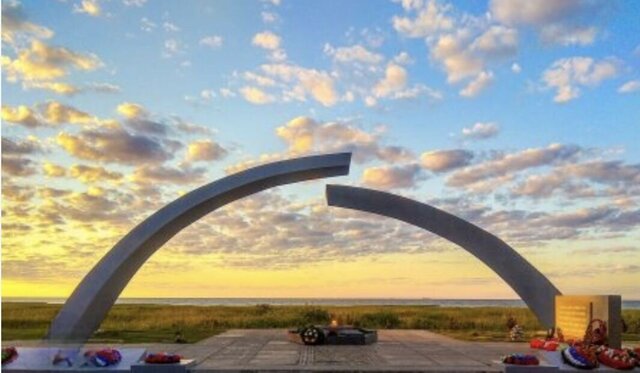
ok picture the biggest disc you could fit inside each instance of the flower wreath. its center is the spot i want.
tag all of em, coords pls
(162, 358)
(9, 354)
(617, 359)
(103, 358)
(580, 357)
(542, 344)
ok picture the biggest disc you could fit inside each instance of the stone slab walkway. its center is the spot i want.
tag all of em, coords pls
(396, 350)
(268, 350)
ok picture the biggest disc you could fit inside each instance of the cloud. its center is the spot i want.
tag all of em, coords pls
(305, 135)
(22, 115)
(516, 68)
(17, 166)
(258, 79)
(465, 45)
(630, 87)
(269, 17)
(170, 27)
(395, 79)
(56, 87)
(354, 53)
(266, 40)
(477, 85)
(458, 62)
(205, 150)
(15, 25)
(403, 58)
(392, 177)
(70, 89)
(508, 164)
(212, 41)
(41, 62)
(445, 160)
(153, 174)
(132, 110)
(256, 96)
(481, 131)
(114, 146)
(173, 47)
(147, 25)
(90, 7)
(302, 82)
(497, 41)
(136, 3)
(584, 180)
(92, 174)
(57, 113)
(567, 75)
(431, 18)
(53, 170)
(20, 147)
(563, 22)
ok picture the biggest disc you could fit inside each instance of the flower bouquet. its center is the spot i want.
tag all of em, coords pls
(103, 358)
(9, 354)
(521, 359)
(162, 358)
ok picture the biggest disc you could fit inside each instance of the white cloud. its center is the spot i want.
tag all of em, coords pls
(445, 160)
(392, 177)
(266, 40)
(516, 68)
(480, 131)
(170, 27)
(205, 150)
(302, 82)
(256, 95)
(173, 47)
(147, 25)
(564, 22)
(213, 41)
(477, 85)
(504, 167)
(90, 7)
(354, 53)
(459, 62)
(305, 135)
(497, 41)
(138, 3)
(567, 75)
(258, 79)
(395, 79)
(269, 17)
(403, 58)
(630, 86)
(430, 19)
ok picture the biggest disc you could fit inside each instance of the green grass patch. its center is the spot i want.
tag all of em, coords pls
(128, 323)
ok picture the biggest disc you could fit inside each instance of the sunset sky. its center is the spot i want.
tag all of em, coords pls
(521, 116)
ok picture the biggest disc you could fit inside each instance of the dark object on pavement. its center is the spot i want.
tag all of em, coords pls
(332, 335)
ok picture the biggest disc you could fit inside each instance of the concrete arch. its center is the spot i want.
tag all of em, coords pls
(531, 285)
(92, 299)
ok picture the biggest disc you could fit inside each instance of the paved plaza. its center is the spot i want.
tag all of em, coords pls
(396, 350)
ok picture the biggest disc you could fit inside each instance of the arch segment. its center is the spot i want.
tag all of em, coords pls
(531, 285)
(92, 299)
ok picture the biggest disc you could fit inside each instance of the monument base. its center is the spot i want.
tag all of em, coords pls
(575, 312)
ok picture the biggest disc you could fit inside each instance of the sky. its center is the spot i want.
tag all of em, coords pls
(520, 116)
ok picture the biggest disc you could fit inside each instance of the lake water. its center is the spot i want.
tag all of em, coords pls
(626, 304)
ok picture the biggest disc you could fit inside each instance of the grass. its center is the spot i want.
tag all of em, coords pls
(159, 323)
